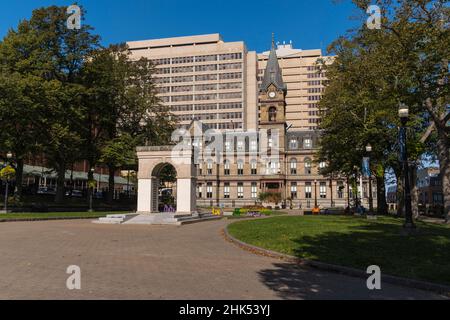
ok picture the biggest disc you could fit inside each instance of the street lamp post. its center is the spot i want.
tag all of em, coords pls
(403, 113)
(91, 191)
(315, 194)
(8, 157)
(369, 150)
(355, 169)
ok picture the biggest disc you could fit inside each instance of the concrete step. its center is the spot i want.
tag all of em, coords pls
(115, 218)
(108, 221)
(202, 219)
(170, 219)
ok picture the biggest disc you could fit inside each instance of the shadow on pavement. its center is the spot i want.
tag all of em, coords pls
(290, 281)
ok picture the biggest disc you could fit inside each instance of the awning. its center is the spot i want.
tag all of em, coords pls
(77, 175)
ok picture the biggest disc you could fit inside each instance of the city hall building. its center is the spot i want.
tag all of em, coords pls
(212, 84)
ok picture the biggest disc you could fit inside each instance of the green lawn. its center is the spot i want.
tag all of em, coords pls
(355, 242)
(49, 215)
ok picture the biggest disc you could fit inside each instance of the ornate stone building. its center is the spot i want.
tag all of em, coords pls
(239, 180)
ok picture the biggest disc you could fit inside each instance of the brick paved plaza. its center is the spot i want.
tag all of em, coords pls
(157, 262)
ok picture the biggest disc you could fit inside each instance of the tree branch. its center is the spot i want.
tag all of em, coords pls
(446, 118)
(427, 134)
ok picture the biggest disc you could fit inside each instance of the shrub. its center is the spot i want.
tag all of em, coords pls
(274, 197)
(236, 212)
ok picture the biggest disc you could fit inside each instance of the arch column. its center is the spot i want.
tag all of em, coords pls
(147, 201)
(186, 195)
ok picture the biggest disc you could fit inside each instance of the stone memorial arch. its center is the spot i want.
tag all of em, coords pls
(151, 161)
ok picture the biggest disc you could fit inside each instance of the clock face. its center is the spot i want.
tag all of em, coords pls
(272, 94)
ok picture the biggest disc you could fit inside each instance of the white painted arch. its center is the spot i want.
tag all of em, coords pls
(151, 161)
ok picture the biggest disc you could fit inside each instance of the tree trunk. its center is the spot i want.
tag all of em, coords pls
(414, 191)
(381, 196)
(112, 171)
(348, 193)
(444, 164)
(331, 192)
(19, 178)
(60, 192)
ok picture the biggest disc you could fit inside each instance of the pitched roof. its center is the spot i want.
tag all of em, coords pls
(272, 74)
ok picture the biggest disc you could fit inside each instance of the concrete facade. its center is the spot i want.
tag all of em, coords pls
(204, 78)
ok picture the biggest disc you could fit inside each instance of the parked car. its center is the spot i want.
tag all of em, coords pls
(98, 195)
(75, 193)
(46, 190)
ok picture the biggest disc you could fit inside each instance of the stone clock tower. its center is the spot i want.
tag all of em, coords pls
(272, 96)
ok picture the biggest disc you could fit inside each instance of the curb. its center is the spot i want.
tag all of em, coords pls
(47, 219)
(417, 284)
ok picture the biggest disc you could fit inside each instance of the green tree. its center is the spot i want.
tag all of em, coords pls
(375, 71)
(18, 104)
(124, 111)
(44, 47)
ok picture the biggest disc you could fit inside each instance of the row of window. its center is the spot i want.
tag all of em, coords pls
(207, 106)
(203, 77)
(223, 126)
(201, 68)
(209, 116)
(199, 97)
(315, 75)
(226, 190)
(272, 167)
(201, 87)
(204, 58)
(315, 83)
(308, 68)
(294, 142)
(316, 90)
(322, 192)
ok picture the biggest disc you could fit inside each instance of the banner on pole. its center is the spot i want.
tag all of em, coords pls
(366, 167)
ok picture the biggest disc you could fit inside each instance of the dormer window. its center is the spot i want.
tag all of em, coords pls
(307, 143)
(293, 143)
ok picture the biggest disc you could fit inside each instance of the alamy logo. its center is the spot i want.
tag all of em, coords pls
(374, 281)
(74, 280)
(374, 20)
(74, 20)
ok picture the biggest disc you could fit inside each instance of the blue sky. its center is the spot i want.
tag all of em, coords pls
(310, 24)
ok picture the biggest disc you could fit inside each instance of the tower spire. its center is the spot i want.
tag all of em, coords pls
(272, 74)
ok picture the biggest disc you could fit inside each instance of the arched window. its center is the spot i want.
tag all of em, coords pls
(293, 166)
(226, 167)
(272, 114)
(307, 166)
(254, 167)
(209, 167)
(240, 167)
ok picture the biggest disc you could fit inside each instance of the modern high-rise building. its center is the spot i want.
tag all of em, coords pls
(204, 78)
